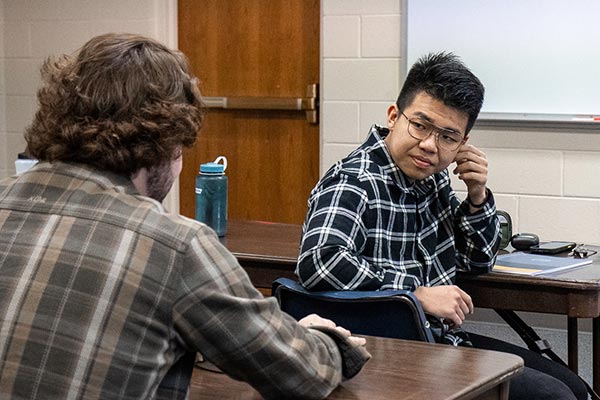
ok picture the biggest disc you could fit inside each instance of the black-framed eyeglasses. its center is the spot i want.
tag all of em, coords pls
(582, 252)
(445, 138)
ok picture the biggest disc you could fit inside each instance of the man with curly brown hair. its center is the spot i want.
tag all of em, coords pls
(104, 295)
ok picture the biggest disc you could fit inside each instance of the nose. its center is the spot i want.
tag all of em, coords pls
(429, 143)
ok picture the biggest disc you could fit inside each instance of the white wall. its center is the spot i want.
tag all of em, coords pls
(362, 67)
(546, 179)
(3, 144)
(32, 30)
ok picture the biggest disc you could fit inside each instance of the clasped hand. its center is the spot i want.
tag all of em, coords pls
(448, 301)
(313, 320)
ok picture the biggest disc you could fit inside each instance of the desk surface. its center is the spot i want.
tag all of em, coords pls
(416, 370)
(270, 250)
(267, 242)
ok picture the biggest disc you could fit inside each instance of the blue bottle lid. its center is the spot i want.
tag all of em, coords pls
(214, 167)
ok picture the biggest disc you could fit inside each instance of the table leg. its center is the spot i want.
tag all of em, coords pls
(504, 386)
(596, 353)
(573, 344)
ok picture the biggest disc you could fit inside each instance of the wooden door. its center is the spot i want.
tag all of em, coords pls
(257, 48)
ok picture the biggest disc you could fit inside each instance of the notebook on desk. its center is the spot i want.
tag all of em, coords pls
(536, 264)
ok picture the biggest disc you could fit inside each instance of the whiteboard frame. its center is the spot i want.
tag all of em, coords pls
(508, 119)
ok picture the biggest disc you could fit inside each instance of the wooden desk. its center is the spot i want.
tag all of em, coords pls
(269, 250)
(266, 250)
(574, 293)
(399, 369)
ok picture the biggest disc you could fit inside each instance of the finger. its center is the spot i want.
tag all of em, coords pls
(343, 331)
(466, 301)
(464, 308)
(472, 182)
(469, 302)
(357, 341)
(469, 148)
(315, 320)
(460, 314)
(473, 178)
(473, 161)
(325, 322)
(456, 320)
(470, 167)
(470, 158)
(464, 157)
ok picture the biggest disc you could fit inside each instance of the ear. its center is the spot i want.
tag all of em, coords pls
(392, 116)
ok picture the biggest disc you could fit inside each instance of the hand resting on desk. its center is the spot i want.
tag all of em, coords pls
(352, 348)
(313, 320)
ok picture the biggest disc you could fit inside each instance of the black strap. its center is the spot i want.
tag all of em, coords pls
(535, 343)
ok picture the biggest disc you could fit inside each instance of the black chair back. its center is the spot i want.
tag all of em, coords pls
(391, 313)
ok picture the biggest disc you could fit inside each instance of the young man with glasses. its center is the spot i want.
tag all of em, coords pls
(386, 217)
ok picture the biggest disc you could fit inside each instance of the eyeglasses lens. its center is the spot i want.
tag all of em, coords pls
(446, 139)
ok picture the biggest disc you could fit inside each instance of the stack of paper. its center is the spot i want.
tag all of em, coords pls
(536, 264)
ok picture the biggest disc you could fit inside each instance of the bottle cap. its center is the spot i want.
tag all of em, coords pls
(214, 167)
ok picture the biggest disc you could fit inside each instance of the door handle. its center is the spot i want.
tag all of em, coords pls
(309, 104)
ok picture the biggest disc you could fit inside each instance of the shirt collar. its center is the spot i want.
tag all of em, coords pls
(380, 152)
(85, 174)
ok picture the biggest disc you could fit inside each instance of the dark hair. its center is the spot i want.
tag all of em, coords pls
(124, 102)
(444, 77)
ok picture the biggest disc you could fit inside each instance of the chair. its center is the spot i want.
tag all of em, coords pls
(391, 313)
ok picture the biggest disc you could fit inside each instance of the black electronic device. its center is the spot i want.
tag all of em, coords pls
(524, 241)
(505, 228)
(553, 247)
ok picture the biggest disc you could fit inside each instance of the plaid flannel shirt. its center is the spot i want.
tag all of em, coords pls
(102, 292)
(369, 228)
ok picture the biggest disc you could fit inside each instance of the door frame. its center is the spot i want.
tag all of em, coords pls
(175, 197)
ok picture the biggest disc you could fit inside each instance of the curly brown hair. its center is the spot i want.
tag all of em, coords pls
(124, 102)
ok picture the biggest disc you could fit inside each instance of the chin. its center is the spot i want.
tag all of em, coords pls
(419, 175)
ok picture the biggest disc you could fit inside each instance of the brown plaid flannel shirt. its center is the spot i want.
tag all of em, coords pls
(102, 292)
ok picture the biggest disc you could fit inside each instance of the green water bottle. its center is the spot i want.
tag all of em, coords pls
(211, 195)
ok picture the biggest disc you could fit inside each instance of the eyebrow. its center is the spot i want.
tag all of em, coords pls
(425, 117)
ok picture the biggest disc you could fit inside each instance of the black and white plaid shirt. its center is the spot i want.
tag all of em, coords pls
(369, 228)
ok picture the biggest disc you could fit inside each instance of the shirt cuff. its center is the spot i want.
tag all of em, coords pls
(353, 357)
(483, 203)
(465, 206)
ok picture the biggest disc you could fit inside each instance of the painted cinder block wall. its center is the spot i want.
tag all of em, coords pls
(546, 179)
(32, 30)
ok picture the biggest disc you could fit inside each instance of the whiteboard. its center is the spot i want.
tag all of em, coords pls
(537, 59)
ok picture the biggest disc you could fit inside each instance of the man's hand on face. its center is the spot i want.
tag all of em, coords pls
(447, 301)
(472, 169)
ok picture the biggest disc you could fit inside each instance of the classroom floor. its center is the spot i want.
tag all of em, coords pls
(556, 337)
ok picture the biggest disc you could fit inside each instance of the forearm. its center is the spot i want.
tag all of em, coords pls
(253, 341)
(477, 236)
(221, 315)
